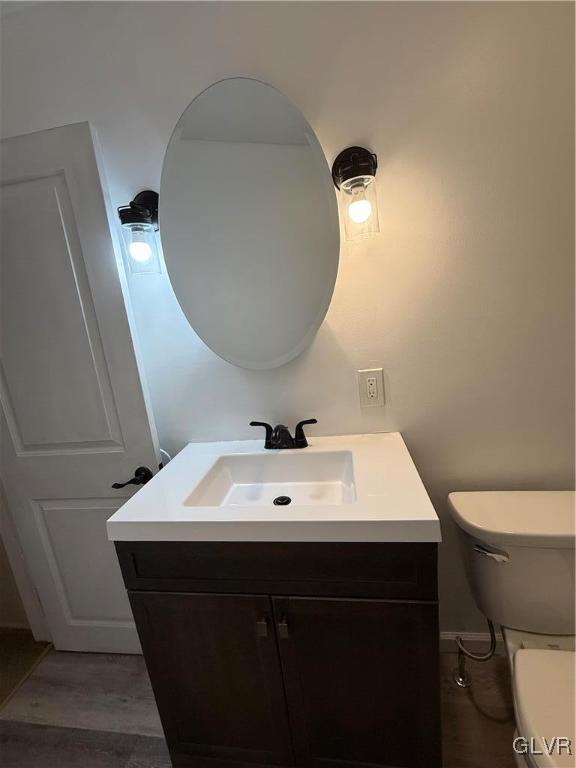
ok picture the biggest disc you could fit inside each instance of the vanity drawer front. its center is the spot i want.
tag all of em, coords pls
(394, 571)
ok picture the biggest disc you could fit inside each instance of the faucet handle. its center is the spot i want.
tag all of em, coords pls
(268, 428)
(299, 436)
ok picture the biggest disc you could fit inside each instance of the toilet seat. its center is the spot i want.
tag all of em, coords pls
(544, 700)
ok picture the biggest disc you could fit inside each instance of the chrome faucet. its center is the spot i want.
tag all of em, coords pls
(279, 437)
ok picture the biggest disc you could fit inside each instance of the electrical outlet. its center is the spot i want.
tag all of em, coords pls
(371, 387)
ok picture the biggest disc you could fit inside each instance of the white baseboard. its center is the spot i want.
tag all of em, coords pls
(477, 642)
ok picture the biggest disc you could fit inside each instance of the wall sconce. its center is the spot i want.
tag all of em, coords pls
(139, 222)
(353, 173)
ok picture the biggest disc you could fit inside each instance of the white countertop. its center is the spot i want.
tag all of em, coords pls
(391, 503)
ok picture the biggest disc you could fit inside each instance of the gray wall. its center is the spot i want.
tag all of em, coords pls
(466, 296)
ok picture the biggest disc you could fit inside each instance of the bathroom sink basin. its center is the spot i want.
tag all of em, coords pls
(341, 488)
(280, 478)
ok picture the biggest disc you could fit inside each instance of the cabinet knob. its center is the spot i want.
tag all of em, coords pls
(262, 627)
(283, 629)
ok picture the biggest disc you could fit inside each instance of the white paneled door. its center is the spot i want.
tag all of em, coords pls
(75, 417)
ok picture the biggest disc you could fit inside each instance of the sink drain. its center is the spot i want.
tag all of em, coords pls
(282, 501)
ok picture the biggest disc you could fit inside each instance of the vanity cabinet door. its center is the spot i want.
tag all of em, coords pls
(361, 680)
(214, 666)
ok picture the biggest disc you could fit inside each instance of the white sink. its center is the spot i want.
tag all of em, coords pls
(343, 488)
(277, 477)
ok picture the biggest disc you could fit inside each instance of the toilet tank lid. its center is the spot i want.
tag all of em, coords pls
(517, 518)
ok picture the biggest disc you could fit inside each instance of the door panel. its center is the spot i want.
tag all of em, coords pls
(361, 680)
(214, 666)
(51, 342)
(87, 577)
(75, 416)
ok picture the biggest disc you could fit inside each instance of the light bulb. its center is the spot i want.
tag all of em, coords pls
(140, 251)
(359, 211)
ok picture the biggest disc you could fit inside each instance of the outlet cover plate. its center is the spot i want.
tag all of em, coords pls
(371, 387)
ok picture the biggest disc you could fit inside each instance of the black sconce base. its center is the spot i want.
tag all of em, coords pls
(353, 162)
(148, 199)
(142, 210)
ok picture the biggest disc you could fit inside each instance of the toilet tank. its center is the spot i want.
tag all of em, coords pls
(518, 550)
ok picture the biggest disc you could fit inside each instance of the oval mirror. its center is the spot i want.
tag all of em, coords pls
(249, 223)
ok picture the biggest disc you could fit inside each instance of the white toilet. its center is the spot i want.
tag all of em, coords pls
(518, 549)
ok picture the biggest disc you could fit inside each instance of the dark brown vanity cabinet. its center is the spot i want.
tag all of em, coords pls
(290, 654)
(214, 665)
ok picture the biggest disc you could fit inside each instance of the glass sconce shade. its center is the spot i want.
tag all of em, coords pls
(359, 207)
(139, 222)
(353, 173)
(141, 248)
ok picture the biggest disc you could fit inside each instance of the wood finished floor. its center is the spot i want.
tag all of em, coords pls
(19, 654)
(97, 711)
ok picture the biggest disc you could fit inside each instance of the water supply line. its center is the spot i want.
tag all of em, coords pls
(460, 675)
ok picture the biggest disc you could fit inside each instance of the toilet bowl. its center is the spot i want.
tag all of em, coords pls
(543, 683)
(518, 551)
